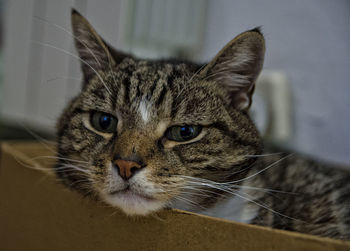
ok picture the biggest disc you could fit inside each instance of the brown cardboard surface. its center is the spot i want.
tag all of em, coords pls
(38, 213)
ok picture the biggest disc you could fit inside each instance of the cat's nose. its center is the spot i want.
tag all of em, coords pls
(126, 168)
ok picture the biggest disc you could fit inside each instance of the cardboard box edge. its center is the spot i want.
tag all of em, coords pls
(24, 160)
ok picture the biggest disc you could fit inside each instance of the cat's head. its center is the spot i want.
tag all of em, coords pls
(143, 135)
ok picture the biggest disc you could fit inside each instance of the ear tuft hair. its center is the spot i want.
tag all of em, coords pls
(237, 66)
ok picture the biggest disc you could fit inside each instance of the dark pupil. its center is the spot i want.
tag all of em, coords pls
(105, 121)
(186, 131)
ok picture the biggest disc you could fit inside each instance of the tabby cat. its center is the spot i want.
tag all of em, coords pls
(143, 135)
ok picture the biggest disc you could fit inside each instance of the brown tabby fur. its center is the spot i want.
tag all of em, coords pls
(147, 97)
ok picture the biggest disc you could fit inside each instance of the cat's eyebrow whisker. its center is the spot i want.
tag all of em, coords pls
(196, 73)
(79, 40)
(59, 78)
(77, 57)
(113, 73)
(183, 89)
(71, 34)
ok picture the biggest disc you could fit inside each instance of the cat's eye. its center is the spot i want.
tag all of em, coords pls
(183, 133)
(103, 122)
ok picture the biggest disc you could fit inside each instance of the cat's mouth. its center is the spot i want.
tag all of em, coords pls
(128, 193)
(133, 202)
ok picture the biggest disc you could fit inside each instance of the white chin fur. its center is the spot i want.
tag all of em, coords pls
(134, 205)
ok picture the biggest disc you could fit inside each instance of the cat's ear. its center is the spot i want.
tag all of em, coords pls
(93, 51)
(237, 67)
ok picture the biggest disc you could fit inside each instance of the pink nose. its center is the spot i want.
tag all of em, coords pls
(126, 168)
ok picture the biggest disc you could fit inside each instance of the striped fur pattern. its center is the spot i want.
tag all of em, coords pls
(315, 198)
(149, 97)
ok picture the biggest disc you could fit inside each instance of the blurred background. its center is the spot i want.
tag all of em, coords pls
(302, 100)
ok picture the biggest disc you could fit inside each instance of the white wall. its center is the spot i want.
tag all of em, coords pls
(310, 41)
(42, 69)
(40, 74)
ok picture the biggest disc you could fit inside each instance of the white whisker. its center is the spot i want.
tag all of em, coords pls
(33, 166)
(60, 158)
(263, 189)
(77, 57)
(78, 39)
(46, 143)
(203, 192)
(201, 182)
(196, 73)
(262, 170)
(71, 34)
(195, 194)
(73, 167)
(188, 201)
(59, 78)
(78, 181)
(265, 207)
(236, 193)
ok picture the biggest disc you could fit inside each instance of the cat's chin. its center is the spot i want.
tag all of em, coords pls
(133, 204)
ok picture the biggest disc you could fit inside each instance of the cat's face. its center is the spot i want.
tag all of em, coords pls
(141, 134)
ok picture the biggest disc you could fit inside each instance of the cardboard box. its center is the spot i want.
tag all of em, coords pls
(38, 213)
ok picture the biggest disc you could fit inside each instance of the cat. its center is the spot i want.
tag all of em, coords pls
(143, 135)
